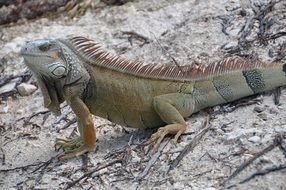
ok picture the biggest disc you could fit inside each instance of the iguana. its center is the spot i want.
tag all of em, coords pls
(92, 80)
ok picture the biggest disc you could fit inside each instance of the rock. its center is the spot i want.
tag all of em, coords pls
(178, 185)
(234, 136)
(212, 188)
(274, 110)
(134, 156)
(25, 89)
(259, 109)
(6, 109)
(255, 139)
(7, 87)
(20, 111)
(280, 129)
(263, 116)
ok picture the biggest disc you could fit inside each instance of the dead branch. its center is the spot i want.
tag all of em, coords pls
(2, 129)
(202, 173)
(264, 172)
(20, 167)
(30, 165)
(62, 117)
(275, 143)
(190, 147)
(280, 53)
(277, 95)
(68, 124)
(168, 54)
(259, 14)
(46, 163)
(3, 157)
(90, 173)
(152, 160)
(278, 35)
(233, 106)
(282, 147)
(117, 156)
(27, 119)
(140, 37)
(7, 78)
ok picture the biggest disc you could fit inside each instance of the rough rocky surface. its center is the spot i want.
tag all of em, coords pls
(188, 30)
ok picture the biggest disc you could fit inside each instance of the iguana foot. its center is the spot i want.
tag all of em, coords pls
(75, 152)
(70, 143)
(173, 129)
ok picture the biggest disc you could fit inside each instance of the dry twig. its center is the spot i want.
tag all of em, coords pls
(189, 147)
(152, 160)
(140, 37)
(90, 173)
(168, 54)
(42, 164)
(275, 143)
(69, 123)
(264, 172)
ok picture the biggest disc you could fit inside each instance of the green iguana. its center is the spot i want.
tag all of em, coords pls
(93, 81)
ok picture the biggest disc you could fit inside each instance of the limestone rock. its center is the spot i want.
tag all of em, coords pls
(25, 89)
(7, 87)
(255, 139)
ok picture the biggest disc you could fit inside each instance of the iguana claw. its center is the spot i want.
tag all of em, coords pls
(75, 153)
(75, 147)
(174, 129)
(70, 143)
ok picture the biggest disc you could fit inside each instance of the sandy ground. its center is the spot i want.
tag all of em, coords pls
(189, 30)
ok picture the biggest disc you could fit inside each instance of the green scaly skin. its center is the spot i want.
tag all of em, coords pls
(133, 100)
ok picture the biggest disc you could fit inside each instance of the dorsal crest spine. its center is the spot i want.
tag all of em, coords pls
(94, 53)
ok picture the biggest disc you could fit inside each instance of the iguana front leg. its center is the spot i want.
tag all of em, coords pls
(172, 108)
(86, 128)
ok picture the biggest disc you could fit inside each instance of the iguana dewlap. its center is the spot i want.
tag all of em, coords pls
(93, 81)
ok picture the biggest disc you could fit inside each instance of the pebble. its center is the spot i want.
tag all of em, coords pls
(7, 87)
(135, 157)
(259, 109)
(263, 116)
(178, 185)
(280, 129)
(6, 109)
(274, 110)
(234, 136)
(255, 139)
(230, 45)
(20, 111)
(25, 89)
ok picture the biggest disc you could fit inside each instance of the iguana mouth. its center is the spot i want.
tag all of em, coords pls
(34, 54)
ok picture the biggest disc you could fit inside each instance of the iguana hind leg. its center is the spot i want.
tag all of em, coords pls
(172, 108)
(86, 141)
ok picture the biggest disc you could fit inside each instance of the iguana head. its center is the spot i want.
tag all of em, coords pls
(59, 71)
(45, 58)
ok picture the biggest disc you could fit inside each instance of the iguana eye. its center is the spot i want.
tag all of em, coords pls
(59, 71)
(45, 47)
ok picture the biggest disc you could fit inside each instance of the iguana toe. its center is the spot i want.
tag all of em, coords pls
(70, 143)
(75, 153)
(173, 129)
